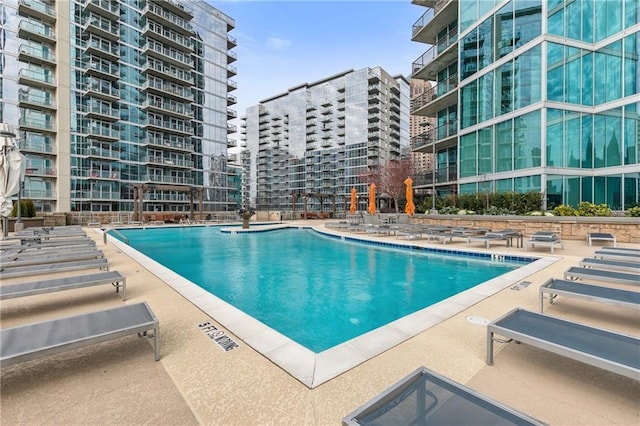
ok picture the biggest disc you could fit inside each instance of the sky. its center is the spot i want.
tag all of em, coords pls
(282, 44)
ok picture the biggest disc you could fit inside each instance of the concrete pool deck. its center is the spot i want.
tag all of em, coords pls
(197, 382)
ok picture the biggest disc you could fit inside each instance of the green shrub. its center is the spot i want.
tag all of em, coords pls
(27, 209)
(586, 208)
(564, 210)
(448, 210)
(633, 212)
(603, 210)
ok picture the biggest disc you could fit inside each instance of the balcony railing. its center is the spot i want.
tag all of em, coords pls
(38, 6)
(36, 194)
(34, 52)
(38, 28)
(428, 56)
(435, 134)
(37, 76)
(423, 21)
(169, 179)
(26, 145)
(434, 93)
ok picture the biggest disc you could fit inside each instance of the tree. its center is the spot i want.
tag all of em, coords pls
(389, 178)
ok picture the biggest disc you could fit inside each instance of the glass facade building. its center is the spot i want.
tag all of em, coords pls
(320, 137)
(544, 96)
(107, 95)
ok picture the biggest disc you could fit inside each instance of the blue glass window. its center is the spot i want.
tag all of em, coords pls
(504, 146)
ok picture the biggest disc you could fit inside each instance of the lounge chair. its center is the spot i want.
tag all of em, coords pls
(611, 265)
(36, 250)
(37, 340)
(11, 291)
(601, 348)
(49, 268)
(599, 236)
(590, 292)
(544, 238)
(623, 250)
(623, 255)
(15, 261)
(506, 235)
(425, 397)
(576, 272)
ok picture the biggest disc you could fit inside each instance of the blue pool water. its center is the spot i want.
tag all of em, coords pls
(319, 291)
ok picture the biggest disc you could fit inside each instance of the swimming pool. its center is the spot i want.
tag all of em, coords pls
(316, 290)
(309, 367)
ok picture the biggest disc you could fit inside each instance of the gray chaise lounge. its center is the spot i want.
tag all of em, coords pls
(625, 256)
(49, 268)
(602, 275)
(600, 348)
(61, 256)
(425, 397)
(544, 238)
(601, 236)
(37, 340)
(611, 265)
(115, 278)
(590, 292)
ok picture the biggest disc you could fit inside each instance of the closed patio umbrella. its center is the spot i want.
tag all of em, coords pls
(11, 172)
(409, 208)
(354, 198)
(372, 199)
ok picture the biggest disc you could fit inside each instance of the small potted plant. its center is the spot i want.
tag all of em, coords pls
(245, 214)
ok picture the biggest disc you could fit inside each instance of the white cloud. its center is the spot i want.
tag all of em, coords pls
(278, 43)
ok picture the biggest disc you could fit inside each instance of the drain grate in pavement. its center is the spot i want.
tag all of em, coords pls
(521, 285)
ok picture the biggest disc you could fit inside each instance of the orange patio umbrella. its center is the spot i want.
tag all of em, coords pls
(372, 199)
(409, 208)
(354, 198)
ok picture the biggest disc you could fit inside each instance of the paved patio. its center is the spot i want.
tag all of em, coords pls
(196, 382)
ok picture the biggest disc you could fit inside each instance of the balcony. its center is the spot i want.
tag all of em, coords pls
(102, 132)
(231, 114)
(169, 55)
(38, 171)
(427, 27)
(102, 48)
(176, 143)
(440, 96)
(39, 147)
(231, 100)
(178, 180)
(164, 89)
(439, 56)
(100, 111)
(166, 17)
(103, 69)
(42, 55)
(231, 71)
(231, 128)
(231, 85)
(34, 78)
(443, 136)
(172, 162)
(173, 126)
(37, 9)
(98, 152)
(168, 37)
(106, 8)
(103, 90)
(231, 56)
(38, 194)
(36, 100)
(178, 8)
(231, 42)
(170, 108)
(102, 27)
(36, 124)
(164, 71)
(36, 31)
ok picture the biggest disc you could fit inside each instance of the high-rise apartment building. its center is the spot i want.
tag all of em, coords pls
(533, 95)
(113, 98)
(315, 141)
